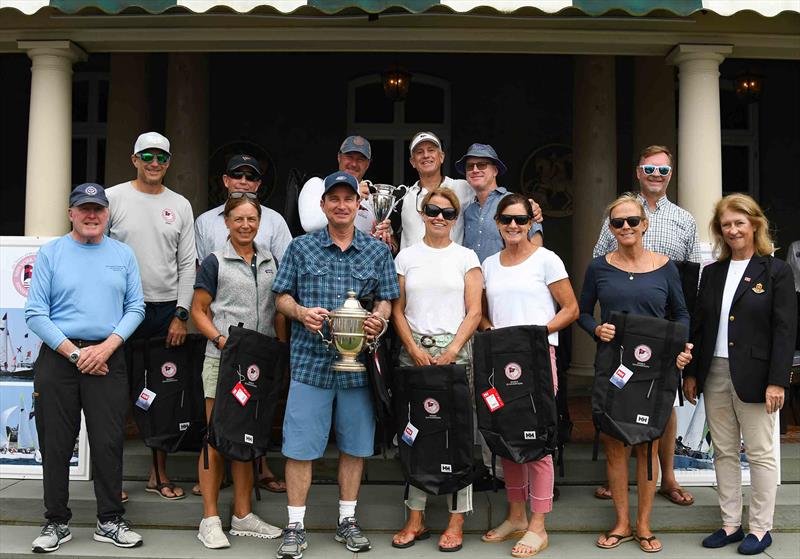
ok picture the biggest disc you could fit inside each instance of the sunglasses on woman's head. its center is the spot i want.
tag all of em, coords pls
(663, 170)
(619, 222)
(148, 157)
(432, 210)
(248, 195)
(506, 219)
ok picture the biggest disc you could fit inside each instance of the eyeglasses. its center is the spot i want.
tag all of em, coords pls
(506, 219)
(148, 157)
(248, 195)
(480, 165)
(432, 210)
(252, 177)
(619, 222)
(663, 170)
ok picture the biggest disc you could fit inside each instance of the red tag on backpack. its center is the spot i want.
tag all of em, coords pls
(240, 393)
(493, 400)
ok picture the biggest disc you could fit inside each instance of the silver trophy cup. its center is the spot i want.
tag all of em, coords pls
(385, 198)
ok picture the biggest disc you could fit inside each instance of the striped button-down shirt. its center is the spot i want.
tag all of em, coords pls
(317, 273)
(671, 230)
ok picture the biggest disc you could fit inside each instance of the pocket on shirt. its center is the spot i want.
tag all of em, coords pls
(365, 281)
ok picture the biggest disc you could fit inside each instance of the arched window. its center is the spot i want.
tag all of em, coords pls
(390, 125)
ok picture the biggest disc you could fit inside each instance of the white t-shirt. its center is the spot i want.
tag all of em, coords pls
(312, 218)
(732, 280)
(519, 295)
(434, 279)
(414, 227)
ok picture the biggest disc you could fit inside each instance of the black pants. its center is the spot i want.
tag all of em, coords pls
(157, 317)
(61, 391)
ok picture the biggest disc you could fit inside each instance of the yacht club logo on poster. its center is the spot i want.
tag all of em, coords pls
(23, 273)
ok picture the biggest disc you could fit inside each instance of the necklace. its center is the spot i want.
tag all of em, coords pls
(630, 272)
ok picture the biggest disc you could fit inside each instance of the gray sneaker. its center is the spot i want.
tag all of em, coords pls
(349, 533)
(118, 532)
(294, 542)
(252, 525)
(52, 536)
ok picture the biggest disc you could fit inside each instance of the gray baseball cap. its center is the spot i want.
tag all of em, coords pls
(358, 144)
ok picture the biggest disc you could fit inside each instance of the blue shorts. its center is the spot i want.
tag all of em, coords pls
(307, 421)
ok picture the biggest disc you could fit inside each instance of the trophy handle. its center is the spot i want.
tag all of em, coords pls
(321, 335)
(397, 199)
(373, 345)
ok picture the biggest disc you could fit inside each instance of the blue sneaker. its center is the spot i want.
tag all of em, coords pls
(752, 546)
(721, 539)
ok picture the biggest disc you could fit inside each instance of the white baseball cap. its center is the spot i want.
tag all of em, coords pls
(150, 140)
(420, 137)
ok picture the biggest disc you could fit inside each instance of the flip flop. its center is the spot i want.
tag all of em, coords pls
(159, 490)
(603, 493)
(196, 491)
(669, 494)
(532, 540)
(449, 537)
(505, 531)
(266, 483)
(422, 534)
(650, 541)
(620, 540)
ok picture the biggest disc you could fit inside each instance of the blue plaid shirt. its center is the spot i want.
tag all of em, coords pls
(480, 230)
(317, 273)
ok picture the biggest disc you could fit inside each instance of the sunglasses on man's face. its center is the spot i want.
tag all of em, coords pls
(479, 165)
(506, 219)
(663, 170)
(619, 222)
(432, 210)
(248, 195)
(252, 177)
(148, 157)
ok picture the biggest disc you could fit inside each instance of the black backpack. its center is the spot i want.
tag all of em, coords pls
(254, 362)
(436, 400)
(638, 412)
(515, 361)
(380, 374)
(175, 419)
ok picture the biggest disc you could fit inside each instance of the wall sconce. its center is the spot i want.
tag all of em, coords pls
(748, 87)
(395, 83)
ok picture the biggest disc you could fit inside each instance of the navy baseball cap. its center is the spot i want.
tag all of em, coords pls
(88, 193)
(358, 144)
(481, 150)
(340, 177)
(243, 160)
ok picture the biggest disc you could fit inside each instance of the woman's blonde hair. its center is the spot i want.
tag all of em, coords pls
(741, 203)
(444, 192)
(627, 198)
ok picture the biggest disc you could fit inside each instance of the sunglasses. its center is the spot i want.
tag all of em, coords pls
(663, 170)
(432, 210)
(481, 165)
(248, 195)
(506, 219)
(252, 177)
(148, 157)
(619, 222)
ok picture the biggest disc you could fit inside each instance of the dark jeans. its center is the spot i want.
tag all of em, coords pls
(61, 391)
(157, 317)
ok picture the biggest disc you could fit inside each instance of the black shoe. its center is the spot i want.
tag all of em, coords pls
(721, 539)
(753, 546)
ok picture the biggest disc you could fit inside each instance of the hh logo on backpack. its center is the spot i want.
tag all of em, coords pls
(447, 468)
(529, 435)
(643, 419)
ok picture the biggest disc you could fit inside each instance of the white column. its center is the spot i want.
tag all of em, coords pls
(49, 170)
(699, 134)
(594, 154)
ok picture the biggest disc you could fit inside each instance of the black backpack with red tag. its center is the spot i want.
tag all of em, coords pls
(515, 362)
(248, 390)
(436, 400)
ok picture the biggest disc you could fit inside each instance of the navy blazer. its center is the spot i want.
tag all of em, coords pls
(761, 324)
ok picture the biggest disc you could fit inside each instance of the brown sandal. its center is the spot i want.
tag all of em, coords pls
(421, 534)
(450, 538)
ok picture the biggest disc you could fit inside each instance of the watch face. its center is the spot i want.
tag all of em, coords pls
(182, 313)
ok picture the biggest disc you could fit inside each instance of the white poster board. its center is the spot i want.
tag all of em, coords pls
(20, 456)
(694, 453)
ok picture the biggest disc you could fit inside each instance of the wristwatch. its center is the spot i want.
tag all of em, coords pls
(74, 356)
(216, 339)
(181, 314)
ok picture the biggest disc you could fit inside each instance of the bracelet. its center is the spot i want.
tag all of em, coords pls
(215, 341)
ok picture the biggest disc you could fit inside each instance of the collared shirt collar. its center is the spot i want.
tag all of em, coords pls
(660, 203)
(359, 238)
(262, 254)
(500, 190)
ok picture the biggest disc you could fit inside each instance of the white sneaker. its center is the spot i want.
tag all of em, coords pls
(211, 534)
(118, 532)
(52, 536)
(252, 525)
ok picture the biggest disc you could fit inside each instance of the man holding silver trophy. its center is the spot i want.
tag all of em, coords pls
(318, 273)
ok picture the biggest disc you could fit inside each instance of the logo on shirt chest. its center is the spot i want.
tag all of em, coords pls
(168, 216)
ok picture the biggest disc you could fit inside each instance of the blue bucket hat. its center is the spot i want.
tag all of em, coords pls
(481, 150)
(340, 177)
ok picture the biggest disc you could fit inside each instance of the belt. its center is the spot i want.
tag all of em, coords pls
(438, 340)
(84, 343)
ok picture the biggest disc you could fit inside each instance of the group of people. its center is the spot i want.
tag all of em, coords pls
(469, 257)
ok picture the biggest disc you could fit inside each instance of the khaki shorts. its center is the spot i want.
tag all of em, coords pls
(210, 375)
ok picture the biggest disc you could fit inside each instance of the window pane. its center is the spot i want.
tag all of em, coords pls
(79, 149)
(80, 101)
(410, 175)
(101, 161)
(425, 103)
(372, 105)
(381, 167)
(733, 113)
(102, 100)
(735, 169)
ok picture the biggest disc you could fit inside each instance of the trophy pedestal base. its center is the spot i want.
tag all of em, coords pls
(348, 364)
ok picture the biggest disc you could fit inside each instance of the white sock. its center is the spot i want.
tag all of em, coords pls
(346, 509)
(296, 514)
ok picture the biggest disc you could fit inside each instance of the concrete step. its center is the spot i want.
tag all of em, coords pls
(381, 508)
(15, 543)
